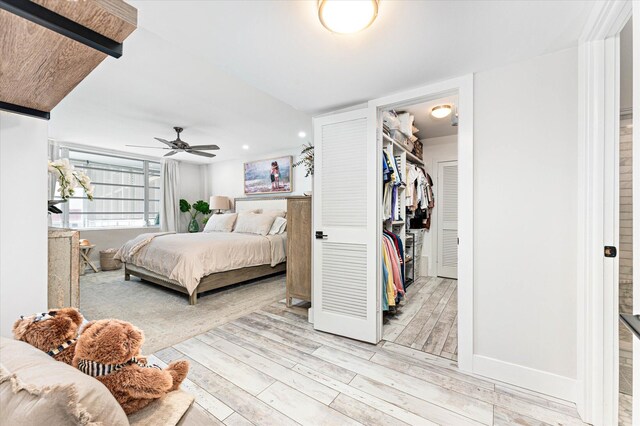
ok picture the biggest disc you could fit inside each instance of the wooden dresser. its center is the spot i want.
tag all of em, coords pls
(298, 248)
(64, 280)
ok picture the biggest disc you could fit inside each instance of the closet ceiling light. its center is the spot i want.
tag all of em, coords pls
(441, 111)
(245, 147)
(347, 16)
(302, 135)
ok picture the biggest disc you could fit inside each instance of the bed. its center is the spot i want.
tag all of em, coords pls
(195, 263)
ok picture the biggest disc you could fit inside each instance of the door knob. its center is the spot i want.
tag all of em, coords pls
(320, 235)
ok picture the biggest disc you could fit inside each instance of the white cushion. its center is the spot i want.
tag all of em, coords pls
(254, 223)
(275, 212)
(35, 389)
(279, 226)
(220, 222)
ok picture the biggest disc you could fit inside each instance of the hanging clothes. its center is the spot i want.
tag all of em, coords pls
(392, 180)
(397, 241)
(393, 279)
(420, 198)
(395, 265)
(385, 280)
(388, 288)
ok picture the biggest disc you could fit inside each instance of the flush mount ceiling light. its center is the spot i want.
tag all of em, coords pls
(441, 111)
(245, 147)
(302, 135)
(347, 16)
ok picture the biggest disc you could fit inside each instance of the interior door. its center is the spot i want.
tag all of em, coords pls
(447, 202)
(344, 215)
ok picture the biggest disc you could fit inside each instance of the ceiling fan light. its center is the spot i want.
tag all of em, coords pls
(347, 16)
(441, 111)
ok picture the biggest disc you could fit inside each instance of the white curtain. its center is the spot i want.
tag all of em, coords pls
(169, 216)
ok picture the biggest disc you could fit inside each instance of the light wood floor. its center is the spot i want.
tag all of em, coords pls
(271, 368)
(427, 319)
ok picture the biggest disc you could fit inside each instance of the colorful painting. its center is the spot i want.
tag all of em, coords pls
(268, 176)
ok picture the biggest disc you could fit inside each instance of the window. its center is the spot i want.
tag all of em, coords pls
(126, 194)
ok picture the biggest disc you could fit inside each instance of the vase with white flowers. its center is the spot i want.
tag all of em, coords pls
(69, 179)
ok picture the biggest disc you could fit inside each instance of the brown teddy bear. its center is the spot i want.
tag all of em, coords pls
(54, 332)
(109, 350)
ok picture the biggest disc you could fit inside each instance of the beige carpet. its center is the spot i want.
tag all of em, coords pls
(164, 315)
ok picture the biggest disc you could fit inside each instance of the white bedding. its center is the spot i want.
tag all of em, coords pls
(186, 258)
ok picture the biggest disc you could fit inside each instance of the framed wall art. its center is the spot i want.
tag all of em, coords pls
(268, 176)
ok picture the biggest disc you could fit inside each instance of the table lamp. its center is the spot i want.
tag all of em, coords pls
(219, 203)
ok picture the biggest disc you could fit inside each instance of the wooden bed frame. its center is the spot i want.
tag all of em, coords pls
(219, 279)
(209, 282)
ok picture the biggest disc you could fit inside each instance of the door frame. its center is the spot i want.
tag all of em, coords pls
(463, 87)
(437, 214)
(597, 304)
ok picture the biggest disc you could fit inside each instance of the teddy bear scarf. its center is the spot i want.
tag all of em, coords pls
(95, 369)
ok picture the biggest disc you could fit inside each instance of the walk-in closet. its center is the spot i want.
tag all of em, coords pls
(419, 221)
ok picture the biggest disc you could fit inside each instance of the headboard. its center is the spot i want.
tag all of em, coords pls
(264, 203)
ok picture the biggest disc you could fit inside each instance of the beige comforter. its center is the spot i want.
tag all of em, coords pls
(186, 258)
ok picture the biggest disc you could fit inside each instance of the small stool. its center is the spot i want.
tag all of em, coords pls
(85, 252)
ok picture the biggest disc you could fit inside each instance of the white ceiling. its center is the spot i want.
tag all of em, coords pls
(280, 47)
(155, 86)
(252, 72)
(428, 126)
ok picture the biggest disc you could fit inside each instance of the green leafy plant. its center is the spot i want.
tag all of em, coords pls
(199, 207)
(306, 158)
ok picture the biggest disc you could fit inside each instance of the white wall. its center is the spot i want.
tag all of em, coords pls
(444, 148)
(227, 177)
(23, 218)
(525, 148)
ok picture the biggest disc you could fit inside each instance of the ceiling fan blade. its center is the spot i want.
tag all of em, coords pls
(205, 147)
(143, 146)
(165, 142)
(202, 154)
(170, 153)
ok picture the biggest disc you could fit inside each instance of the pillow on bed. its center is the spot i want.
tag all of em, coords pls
(254, 223)
(279, 226)
(275, 212)
(220, 222)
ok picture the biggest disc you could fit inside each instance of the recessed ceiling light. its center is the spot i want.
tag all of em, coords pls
(441, 111)
(347, 16)
(302, 135)
(245, 147)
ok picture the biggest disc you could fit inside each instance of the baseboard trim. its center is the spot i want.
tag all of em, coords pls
(525, 377)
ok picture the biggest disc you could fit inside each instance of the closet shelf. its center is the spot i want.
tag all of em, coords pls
(410, 157)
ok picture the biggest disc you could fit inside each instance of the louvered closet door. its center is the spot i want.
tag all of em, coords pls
(447, 205)
(344, 270)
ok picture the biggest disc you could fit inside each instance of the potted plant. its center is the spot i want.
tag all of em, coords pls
(306, 159)
(69, 178)
(194, 210)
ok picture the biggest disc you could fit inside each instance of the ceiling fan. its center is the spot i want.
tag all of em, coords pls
(178, 145)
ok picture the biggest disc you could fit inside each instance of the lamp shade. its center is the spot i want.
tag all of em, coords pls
(217, 202)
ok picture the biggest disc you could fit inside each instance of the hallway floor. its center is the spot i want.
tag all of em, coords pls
(271, 367)
(427, 320)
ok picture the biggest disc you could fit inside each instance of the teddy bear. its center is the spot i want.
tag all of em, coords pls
(109, 350)
(54, 332)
